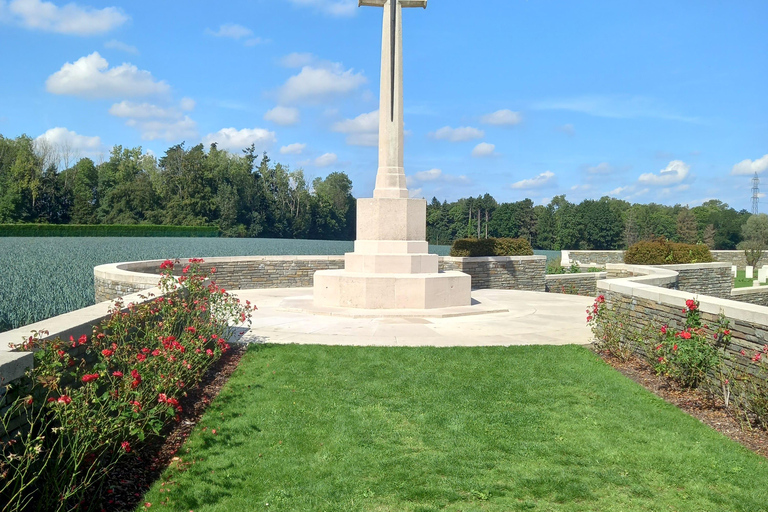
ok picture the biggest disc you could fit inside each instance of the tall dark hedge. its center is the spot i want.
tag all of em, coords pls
(664, 252)
(474, 247)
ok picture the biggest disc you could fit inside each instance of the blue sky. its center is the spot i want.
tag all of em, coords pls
(649, 101)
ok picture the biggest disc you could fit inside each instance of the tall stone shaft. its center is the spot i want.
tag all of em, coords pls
(390, 178)
(391, 267)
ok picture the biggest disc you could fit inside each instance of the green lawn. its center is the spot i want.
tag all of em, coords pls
(316, 428)
(741, 281)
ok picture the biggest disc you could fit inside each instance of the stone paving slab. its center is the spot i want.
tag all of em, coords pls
(532, 318)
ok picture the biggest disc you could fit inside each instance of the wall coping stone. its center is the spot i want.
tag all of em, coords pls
(576, 277)
(645, 286)
(75, 323)
(493, 258)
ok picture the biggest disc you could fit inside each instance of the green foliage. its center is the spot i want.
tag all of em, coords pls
(185, 187)
(476, 247)
(755, 233)
(686, 356)
(91, 402)
(664, 252)
(111, 230)
(613, 331)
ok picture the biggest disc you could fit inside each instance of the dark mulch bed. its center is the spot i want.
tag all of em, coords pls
(700, 404)
(129, 481)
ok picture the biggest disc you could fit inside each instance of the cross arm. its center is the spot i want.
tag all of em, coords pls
(403, 3)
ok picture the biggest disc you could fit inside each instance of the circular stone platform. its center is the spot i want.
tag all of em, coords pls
(531, 318)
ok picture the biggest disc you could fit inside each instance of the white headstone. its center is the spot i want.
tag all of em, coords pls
(749, 274)
(734, 269)
(761, 274)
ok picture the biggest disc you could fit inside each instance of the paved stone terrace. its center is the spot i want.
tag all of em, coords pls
(534, 318)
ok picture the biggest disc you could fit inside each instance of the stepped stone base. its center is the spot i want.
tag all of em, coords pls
(345, 289)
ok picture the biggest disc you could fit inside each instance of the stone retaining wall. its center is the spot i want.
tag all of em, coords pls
(737, 258)
(602, 257)
(505, 273)
(712, 279)
(231, 273)
(574, 284)
(757, 295)
(501, 272)
(648, 305)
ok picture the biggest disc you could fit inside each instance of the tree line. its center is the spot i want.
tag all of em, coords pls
(248, 195)
(243, 195)
(602, 224)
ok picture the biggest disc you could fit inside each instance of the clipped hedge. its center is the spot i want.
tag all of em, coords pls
(664, 252)
(137, 230)
(474, 247)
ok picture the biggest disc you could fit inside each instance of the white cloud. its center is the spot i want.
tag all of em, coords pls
(153, 122)
(237, 140)
(541, 180)
(362, 130)
(297, 60)
(172, 130)
(61, 137)
(326, 160)
(567, 129)
(675, 172)
(502, 118)
(584, 186)
(601, 168)
(142, 111)
(236, 32)
(293, 149)
(114, 44)
(187, 104)
(284, 116)
(750, 167)
(614, 106)
(90, 77)
(462, 134)
(620, 190)
(431, 176)
(314, 84)
(484, 149)
(70, 19)
(231, 30)
(336, 8)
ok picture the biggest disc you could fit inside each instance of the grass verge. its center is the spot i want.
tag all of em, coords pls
(460, 429)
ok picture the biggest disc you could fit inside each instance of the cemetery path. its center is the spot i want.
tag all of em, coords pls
(509, 317)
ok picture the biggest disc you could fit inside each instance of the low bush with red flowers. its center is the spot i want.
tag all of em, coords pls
(687, 355)
(613, 331)
(88, 402)
(695, 355)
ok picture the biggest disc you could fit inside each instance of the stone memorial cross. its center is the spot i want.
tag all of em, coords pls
(390, 178)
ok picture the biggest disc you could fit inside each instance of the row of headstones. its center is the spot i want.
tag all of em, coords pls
(762, 274)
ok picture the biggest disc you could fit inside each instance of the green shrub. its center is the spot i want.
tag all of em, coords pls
(477, 247)
(685, 356)
(137, 230)
(92, 401)
(664, 252)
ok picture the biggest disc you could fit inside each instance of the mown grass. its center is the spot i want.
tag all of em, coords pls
(317, 428)
(741, 281)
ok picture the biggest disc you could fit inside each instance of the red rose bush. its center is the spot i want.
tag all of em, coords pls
(88, 402)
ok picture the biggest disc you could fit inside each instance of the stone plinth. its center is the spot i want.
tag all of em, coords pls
(341, 288)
